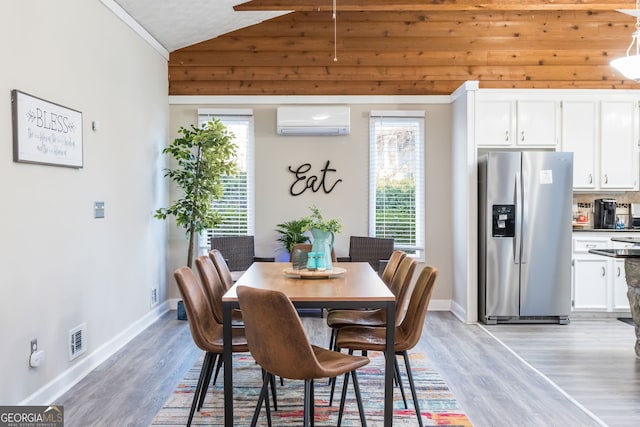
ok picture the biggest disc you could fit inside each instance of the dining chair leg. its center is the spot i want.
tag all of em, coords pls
(416, 404)
(332, 381)
(398, 379)
(207, 368)
(356, 388)
(263, 392)
(312, 408)
(273, 392)
(307, 403)
(218, 366)
(266, 399)
(343, 398)
(203, 373)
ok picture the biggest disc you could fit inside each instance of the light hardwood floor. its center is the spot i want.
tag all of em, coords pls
(582, 374)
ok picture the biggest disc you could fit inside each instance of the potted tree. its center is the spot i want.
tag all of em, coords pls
(203, 156)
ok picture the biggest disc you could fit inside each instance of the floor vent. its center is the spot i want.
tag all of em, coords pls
(77, 341)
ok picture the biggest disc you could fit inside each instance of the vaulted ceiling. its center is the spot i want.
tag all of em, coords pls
(409, 47)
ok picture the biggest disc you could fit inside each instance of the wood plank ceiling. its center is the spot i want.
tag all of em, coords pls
(410, 47)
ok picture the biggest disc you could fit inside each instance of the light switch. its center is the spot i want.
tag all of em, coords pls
(98, 209)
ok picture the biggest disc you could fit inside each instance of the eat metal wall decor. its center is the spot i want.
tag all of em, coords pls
(304, 181)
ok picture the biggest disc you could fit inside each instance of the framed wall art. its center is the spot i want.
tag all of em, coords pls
(44, 132)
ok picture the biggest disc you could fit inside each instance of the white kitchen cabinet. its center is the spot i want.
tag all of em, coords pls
(603, 136)
(618, 145)
(579, 133)
(494, 126)
(599, 283)
(537, 123)
(591, 274)
(619, 297)
(517, 123)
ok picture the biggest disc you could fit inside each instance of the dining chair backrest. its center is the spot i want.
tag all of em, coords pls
(196, 303)
(392, 266)
(371, 250)
(275, 334)
(401, 284)
(222, 268)
(212, 284)
(238, 251)
(409, 331)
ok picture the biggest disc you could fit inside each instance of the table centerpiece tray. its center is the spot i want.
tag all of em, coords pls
(314, 274)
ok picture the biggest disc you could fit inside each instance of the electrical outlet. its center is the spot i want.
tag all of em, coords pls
(34, 345)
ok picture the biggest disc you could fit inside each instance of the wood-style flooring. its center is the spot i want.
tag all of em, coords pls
(582, 374)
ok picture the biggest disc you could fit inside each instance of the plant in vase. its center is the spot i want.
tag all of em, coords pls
(323, 232)
(292, 233)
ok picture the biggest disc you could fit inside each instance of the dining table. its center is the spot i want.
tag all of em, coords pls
(347, 285)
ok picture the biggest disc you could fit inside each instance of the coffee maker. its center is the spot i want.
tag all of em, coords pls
(635, 215)
(604, 213)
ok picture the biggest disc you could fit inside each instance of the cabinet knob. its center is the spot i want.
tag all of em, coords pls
(606, 179)
(590, 179)
(522, 136)
(618, 271)
(604, 272)
(506, 135)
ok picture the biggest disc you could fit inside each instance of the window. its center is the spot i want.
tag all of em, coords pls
(396, 178)
(237, 203)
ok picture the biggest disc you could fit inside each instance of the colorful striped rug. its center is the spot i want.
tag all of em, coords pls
(438, 405)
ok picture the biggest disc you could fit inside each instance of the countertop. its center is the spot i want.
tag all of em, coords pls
(617, 253)
(606, 230)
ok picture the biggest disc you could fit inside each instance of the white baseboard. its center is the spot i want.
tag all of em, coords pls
(87, 363)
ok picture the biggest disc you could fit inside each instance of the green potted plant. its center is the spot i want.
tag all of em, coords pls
(203, 156)
(292, 233)
(323, 232)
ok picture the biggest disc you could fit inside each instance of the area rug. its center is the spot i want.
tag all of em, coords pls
(438, 405)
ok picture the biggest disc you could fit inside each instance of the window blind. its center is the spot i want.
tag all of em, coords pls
(396, 178)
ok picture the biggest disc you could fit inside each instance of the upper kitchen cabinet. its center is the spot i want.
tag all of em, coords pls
(503, 121)
(618, 145)
(579, 135)
(603, 135)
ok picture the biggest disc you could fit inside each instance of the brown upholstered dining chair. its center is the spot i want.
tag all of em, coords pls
(279, 344)
(206, 332)
(399, 285)
(222, 268)
(407, 333)
(392, 265)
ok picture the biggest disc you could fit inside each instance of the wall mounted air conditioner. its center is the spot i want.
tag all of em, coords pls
(314, 120)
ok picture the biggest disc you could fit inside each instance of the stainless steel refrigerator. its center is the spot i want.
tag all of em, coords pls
(524, 267)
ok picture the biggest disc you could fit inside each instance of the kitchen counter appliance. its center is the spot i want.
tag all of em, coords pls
(635, 215)
(524, 265)
(604, 215)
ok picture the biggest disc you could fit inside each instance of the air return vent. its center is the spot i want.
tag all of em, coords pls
(77, 341)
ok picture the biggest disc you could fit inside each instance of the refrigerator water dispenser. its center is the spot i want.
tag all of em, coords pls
(504, 221)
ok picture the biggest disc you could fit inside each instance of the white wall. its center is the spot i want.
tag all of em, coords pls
(349, 156)
(60, 266)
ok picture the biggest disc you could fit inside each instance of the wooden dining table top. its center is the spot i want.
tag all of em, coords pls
(358, 283)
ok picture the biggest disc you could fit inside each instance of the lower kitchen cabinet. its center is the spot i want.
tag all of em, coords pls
(599, 283)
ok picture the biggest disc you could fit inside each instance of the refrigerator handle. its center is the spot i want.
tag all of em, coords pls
(518, 204)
